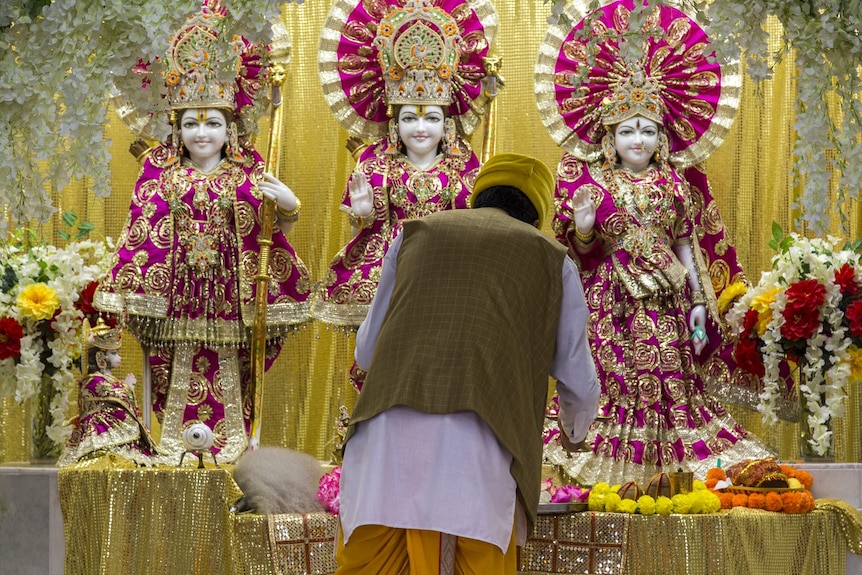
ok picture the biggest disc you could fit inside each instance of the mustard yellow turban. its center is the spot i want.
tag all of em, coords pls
(528, 174)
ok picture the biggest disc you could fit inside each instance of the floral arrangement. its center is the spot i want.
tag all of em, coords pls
(823, 37)
(328, 491)
(45, 293)
(777, 501)
(59, 61)
(806, 309)
(604, 497)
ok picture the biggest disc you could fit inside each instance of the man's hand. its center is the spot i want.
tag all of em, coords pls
(568, 445)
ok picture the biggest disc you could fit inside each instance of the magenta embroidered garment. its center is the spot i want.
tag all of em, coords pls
(401, 192)
(661, 416)
(184, 273)
(108, 420)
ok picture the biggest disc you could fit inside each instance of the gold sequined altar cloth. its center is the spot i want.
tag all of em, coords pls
(121, 520)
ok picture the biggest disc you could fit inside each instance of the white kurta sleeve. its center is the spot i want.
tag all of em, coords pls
(366, 337)
(573, 368)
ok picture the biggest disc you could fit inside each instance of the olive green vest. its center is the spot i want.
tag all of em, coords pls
(471, 326)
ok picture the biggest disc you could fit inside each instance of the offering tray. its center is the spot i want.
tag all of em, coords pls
(554, 508)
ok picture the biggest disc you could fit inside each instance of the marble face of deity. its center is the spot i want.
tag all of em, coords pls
(114, 359)
(635, 140)
(421, 129)
(204, 132)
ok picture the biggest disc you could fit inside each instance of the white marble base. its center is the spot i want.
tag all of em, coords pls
(31, 523)
(841, 480)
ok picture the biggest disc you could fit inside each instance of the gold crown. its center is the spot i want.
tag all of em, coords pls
(419, 51)
(635, 95)
(191, 78)
(103, 336)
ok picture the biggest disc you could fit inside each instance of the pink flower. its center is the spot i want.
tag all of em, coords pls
(569, 493)
(328, 491)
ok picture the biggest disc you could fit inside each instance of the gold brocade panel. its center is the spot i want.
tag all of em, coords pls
(132, 521)
(308, 383)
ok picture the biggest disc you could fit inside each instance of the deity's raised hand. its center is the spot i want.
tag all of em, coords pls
(361, 195)
(584, 210)
(278, 192)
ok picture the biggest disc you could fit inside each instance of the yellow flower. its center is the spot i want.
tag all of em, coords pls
(729, 295)
(762, 302)
(646, 505)
(663, 505)
(763, 320)
(38, 301)
(627, 506)
(855, 362)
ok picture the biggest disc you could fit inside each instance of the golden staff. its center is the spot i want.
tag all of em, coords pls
(492, 82)
(280, 54)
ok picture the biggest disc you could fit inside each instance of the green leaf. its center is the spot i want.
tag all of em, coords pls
(69, 218)
(854, 246)
(777, 232)
(64, 235)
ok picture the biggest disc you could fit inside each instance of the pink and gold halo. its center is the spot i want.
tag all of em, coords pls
(351, 76)
(700, 95)
(248, 99)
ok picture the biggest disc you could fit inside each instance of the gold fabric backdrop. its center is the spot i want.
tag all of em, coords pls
(749, 176)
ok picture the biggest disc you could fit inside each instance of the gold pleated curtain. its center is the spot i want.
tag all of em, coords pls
(308, 384)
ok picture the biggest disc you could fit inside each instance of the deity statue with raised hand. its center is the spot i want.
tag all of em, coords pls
(635, 209)
(407, 76)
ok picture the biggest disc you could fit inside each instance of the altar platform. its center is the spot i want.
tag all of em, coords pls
(178, 521)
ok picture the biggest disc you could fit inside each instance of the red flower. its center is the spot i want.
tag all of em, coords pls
(808, 293)
(85, 301)
(800, 320)
(11, 333)
(749, 322)
(854, 316)
(748, 356)
(845, 277)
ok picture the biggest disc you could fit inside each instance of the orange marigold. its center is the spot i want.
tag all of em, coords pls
(726, 499)
(774, 502)
(740, 500)
(792, 502)
(803, 476)
(716, 474)
(710, 482)
(757, 501)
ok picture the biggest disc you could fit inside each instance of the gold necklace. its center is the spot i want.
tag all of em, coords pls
(202, 243)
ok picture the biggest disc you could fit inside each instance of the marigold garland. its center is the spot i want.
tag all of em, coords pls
(604, 497)
(786, 501)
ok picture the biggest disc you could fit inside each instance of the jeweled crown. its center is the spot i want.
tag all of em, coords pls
(635, 95)
(103, 336)
(192, 72)
(419, 50)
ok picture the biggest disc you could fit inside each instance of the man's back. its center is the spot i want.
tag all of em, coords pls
(471, 326)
